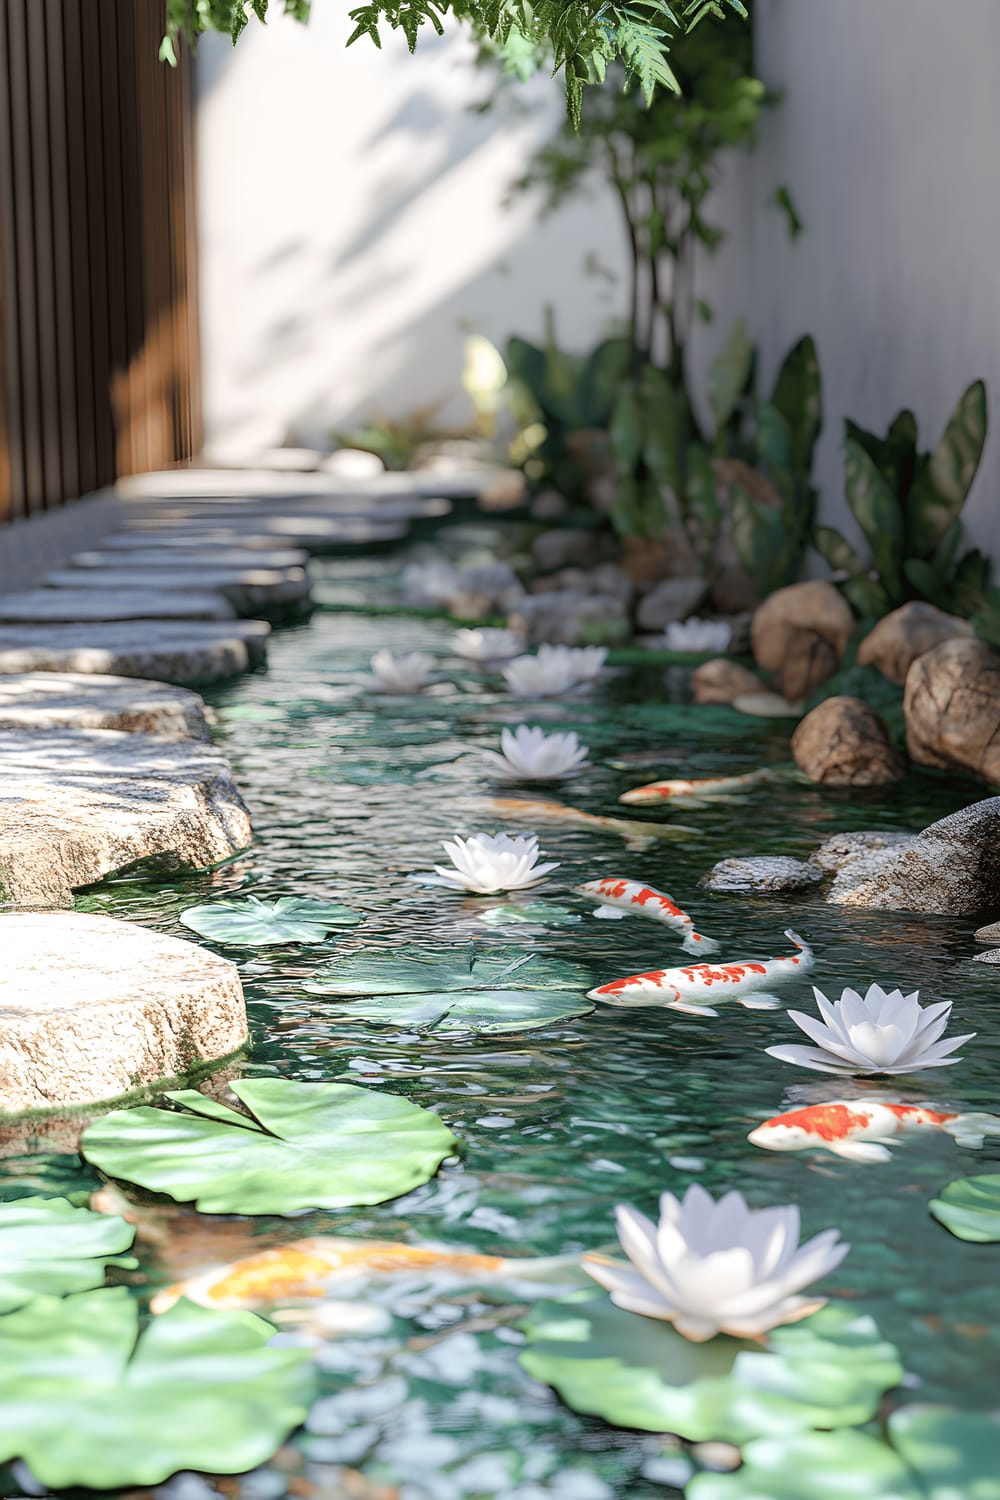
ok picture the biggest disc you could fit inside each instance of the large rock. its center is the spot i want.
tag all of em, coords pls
(844, 742)
(76, 805)
(606, 578)
(571, 618)
(722, 680)
(992, 956)
(673, 599)
(909, 632)
(763, 874)
(73, 605)
(989, 934)
(571, 547)
(952, 708)
(800, 633)
(952, 867)
(841, 848)
(54, 700)
(91, 1009)
(193, 652)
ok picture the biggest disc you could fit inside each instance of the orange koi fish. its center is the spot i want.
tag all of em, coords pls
(620, 896)
(556, 812)
(859, 1131)
(682, 989)
(693, 791)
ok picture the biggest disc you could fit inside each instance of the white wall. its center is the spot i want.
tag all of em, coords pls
(353, 231)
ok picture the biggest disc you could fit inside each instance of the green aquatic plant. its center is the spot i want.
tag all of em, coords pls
(49, 1247)
(88, 1400)
(247, 922)
(421, 971)
(970, 1208)
(479, 1011)
(304, 1145)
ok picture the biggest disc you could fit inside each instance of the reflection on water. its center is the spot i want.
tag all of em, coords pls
(352, 794)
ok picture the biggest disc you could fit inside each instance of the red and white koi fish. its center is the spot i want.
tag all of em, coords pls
(617, 897)
(683, 989)
(711, 786)
(859, 1131)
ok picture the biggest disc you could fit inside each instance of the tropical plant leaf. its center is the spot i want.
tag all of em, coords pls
(427, 971)
(954, 1453)
(829, 1371)
(50, 1248)
(601, 380)
(247, 922)
(970, 1208)
(310, 1145)
(867, 597)
(877, 512)
(84, 1400)
(836, 551)
(729, 373)
(812, 1466)
(487, 1011)
(942, 486)
(798, 396)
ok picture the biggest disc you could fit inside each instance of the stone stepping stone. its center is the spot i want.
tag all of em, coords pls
(248, 590)
(208, 543)
(315, 533)
(92, 1008)
(60, 700)
(167, 651)
(80, 605)
(164, 552)
(77, 805)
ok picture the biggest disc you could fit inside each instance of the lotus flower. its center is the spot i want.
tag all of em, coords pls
(716, 1267)
(554, 670)
(400, 674)
(487, 645)
(884, 1032)
(533, 755)
(489, 863)
(697, 635)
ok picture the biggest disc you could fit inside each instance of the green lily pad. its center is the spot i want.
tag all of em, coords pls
(248, 922)
(85, 1401)
(970, 1208)
(488, 1011)
(48, 1247)
(310, 1145)
(536, 912)
(828, 1371)
(428, 971)
(955, 1454)
(813, 1466)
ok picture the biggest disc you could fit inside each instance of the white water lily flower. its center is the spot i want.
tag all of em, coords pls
(716, 1267)
(554, 670)
(883, 1032)
(409, 673)
(697, 635)
(533, 755)
(487, 644)
(489, 863)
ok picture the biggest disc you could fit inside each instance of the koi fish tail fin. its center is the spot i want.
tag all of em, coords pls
(861, 1151)
(696, 942)
(609, 913)
(759, 1002)
(972, 1129)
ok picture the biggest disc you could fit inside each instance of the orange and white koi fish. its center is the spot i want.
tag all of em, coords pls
(634, 834)
(617, 897)
(694, 791)
(684, 989)
(859, 1131)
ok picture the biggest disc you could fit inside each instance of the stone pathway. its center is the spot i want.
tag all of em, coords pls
(54, 700)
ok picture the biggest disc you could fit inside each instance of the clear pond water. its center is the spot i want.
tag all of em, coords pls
(351, 794)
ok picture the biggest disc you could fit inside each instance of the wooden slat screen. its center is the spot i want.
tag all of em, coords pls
(98, 255)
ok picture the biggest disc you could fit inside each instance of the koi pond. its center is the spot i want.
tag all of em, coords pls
(462, 1375)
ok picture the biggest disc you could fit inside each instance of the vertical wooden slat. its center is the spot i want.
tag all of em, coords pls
(68, 435)
(22, 282)
(11, 455)
(43, 253)
(89, 399)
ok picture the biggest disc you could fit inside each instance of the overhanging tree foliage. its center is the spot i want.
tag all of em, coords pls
(580, 36)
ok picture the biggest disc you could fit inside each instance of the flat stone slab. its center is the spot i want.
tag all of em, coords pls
(65, 700)
(167, 651)
(315, 533)
(766, 874)
(92, 1008)
(208, 543)
(246, 589)
(77, 805)
(169, 552)
(80, 605)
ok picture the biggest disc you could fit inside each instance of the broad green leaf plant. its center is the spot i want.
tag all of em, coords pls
(247, 922)
(49, 1247)
(580, 37)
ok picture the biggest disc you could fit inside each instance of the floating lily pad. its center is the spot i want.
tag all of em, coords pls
(248, 922)
(955, 1454)
(429, 971)
(49, 1247)
(970, 1208)
(488, 1011)
(828, 1371)
(535, 912)
(83, 1403)
(813, 1466)
(310, 1145)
